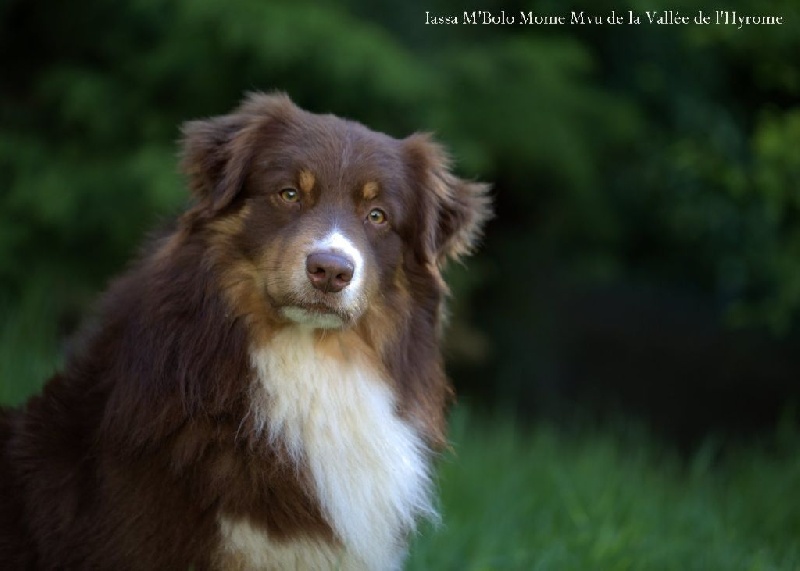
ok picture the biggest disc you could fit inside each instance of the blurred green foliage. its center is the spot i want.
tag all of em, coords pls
(662, 153)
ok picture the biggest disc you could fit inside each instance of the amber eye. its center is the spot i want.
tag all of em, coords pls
(376, 216)
(290, 195)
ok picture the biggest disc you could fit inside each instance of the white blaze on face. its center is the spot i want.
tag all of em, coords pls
(347, 300)
(337, 242)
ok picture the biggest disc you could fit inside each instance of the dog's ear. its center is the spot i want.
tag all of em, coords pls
(217, 152)
(452, 211)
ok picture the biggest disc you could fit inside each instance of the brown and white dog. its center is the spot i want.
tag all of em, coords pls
(264, 389)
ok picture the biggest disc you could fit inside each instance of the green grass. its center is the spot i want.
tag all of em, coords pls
(542, 498)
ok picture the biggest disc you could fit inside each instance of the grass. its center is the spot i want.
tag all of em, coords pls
(543, 498)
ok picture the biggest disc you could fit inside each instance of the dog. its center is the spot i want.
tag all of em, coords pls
(264, 388)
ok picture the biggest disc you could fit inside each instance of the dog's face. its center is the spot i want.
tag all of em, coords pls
(328, 215)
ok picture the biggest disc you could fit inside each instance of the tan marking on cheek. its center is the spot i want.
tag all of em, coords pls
(307, 181)
(240, 282)
(242, 288)
(231, 225)
(370, 190)
(379, 328)
(279, 263)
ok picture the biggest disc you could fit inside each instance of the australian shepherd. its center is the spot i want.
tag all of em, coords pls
(264, 388)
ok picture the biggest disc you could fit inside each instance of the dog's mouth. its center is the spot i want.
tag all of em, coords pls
(319, 307)
(324, 292)
(316, 315)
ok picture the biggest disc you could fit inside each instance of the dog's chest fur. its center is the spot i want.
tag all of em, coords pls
(337, 418)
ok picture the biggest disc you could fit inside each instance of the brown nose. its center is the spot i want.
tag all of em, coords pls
(329, 271)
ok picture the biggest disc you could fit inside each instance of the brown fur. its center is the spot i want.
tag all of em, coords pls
(127, 457)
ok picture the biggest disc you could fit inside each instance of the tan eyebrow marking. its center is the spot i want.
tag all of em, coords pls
(306, 181)
(370, 190)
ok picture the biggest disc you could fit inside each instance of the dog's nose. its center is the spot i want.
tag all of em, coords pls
(329, 271)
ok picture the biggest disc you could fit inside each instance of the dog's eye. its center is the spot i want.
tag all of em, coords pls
(290, 195)
(376, 216)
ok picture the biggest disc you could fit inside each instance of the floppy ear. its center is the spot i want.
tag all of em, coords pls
(217, 152)
(452, 211)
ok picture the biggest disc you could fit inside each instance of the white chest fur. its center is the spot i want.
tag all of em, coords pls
(337, 417)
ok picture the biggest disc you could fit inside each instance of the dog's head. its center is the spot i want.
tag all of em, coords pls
(321, 215)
